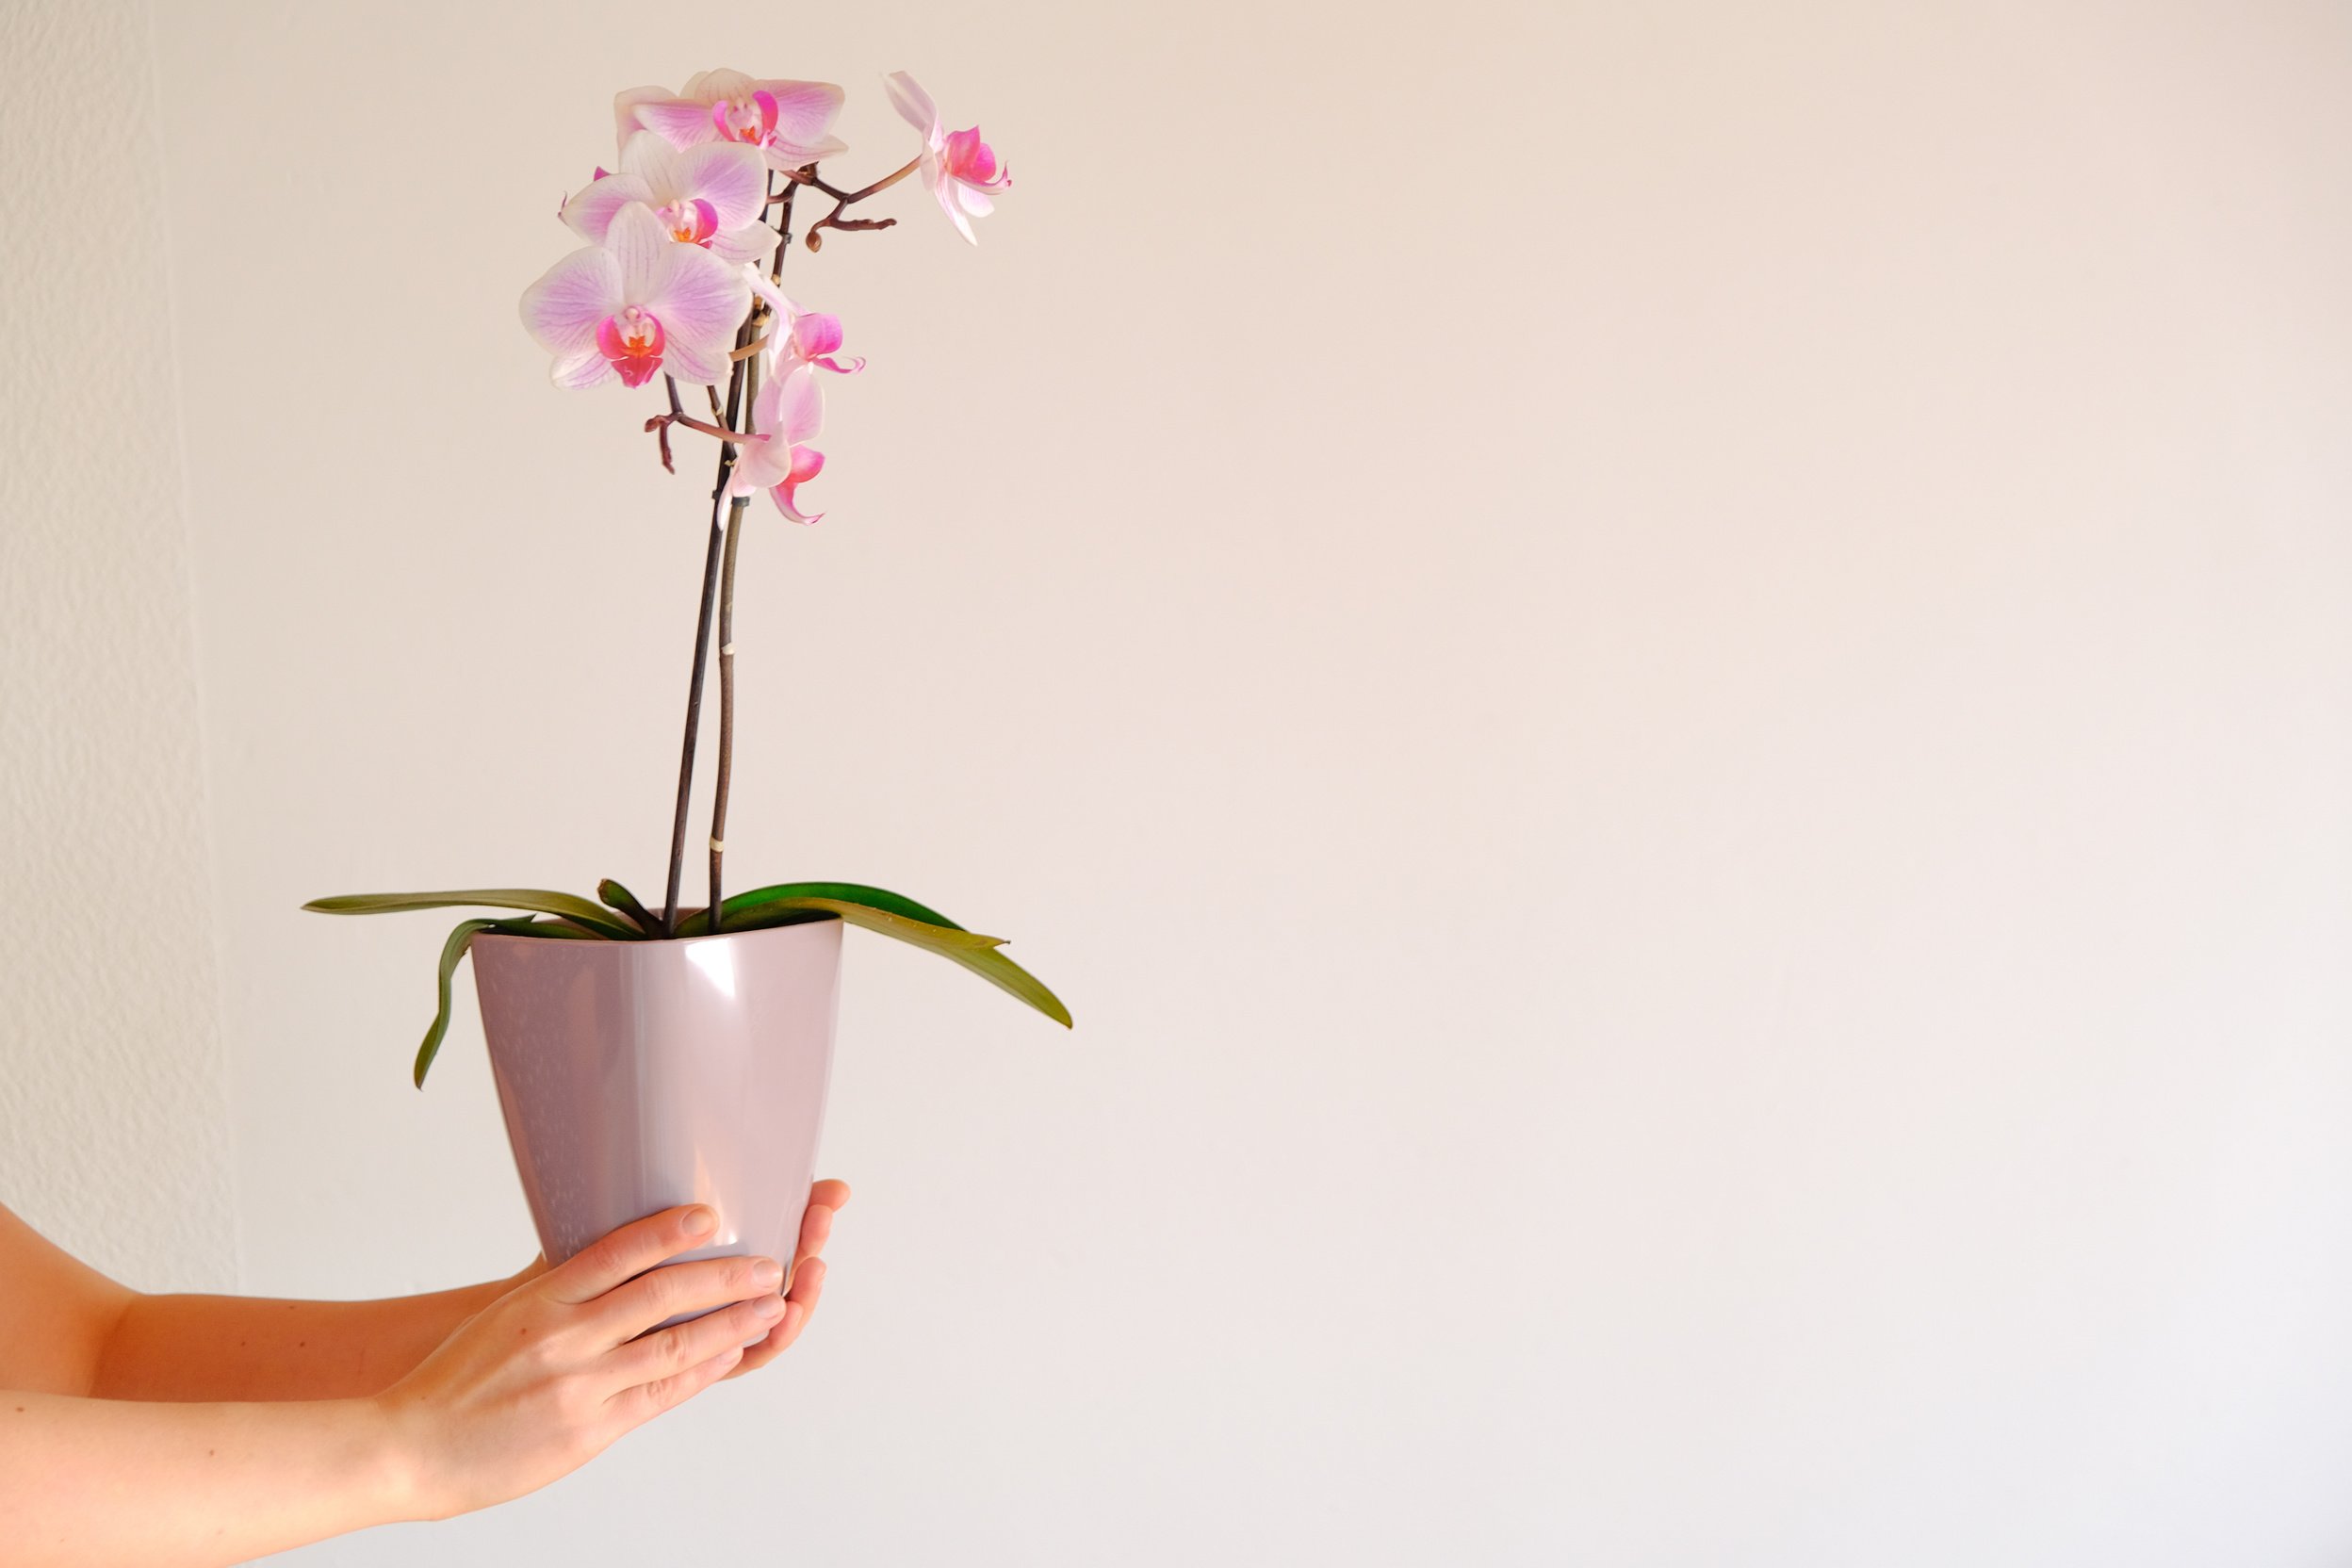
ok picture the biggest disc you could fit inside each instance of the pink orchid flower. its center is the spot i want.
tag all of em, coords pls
(637, 304)
(712, 196)
(789, 411)
(808, 336)
(790, 123)
(960, 168)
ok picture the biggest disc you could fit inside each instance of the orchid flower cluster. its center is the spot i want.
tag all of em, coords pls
(679, 275)
(680, 278)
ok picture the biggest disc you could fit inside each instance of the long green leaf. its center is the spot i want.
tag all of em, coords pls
(901, 917)
(1006, 976)
(543, 928)
(452, 951)
(540, 901)
(626, 902)
(848, 892)
(742, 907)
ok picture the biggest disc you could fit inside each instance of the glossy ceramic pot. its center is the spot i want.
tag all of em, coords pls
(639, 1075)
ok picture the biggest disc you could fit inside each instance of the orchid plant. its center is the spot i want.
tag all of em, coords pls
(680, 278)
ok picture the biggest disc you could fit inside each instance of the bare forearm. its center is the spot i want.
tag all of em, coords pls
(93, 1482)
(232, 1348)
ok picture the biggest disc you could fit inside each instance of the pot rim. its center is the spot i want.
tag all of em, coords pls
(818, 917)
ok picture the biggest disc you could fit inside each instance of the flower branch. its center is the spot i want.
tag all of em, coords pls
(660, 426)
(681, 278)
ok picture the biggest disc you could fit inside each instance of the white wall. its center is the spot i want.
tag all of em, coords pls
(113, 1130)
(1669, 685)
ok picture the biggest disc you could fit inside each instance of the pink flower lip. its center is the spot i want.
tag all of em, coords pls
(972, 160)
(808, 462)
(632, 342)
(740, 120)
(692, 223)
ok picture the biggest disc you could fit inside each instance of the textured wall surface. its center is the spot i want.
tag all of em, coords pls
(1668, 683)
(113, 1130)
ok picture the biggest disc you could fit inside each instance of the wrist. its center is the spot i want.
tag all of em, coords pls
(401, 1451)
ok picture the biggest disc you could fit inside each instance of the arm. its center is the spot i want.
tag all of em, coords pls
(102, 1482)
(539, 1381)
(245, 1347)
(67, 1329)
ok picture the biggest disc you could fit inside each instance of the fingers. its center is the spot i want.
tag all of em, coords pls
(808, 1286)
(697, 1286)
(808, 1290)
(816, 1221)
(801, 1304)
(629, 1252)
(816, 1228)
(646, 1400)
(676, 1350)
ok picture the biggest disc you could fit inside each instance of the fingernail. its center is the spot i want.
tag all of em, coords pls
(769, 1306)
(701, 1221)
(767, 1273)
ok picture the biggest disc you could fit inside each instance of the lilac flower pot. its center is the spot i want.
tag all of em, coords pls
(639, 1075)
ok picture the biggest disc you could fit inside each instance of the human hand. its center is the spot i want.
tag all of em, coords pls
(552, 1373)
(807, 1277)
(800, 1303)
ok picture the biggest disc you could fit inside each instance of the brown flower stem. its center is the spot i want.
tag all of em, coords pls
(808, 175)
(710, 566)
(726, 706)
(694, 715)
(843, 201)
(662, 421)
(748, 372)
(669, 384)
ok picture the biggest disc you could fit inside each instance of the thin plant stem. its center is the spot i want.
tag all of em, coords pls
(805, 176)
(747, 377)
(726, 707)
(845, 199)
(710, 565)
(694, 713)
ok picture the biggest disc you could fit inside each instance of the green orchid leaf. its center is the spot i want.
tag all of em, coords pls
(626, 902)
(1006, 976)
(742, 909)
(452, 951)
(892, 915)
(565, 905)
(847, 892)
(544, 928)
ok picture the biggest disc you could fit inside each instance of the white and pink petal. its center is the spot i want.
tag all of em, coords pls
(752, 244)
(589, 214)
(913, 104)
(562, 310)
(584, 367)
(733, 178)
(624, 104)
(702, 299)
(805, 111)
(679, 121)
(796, 412)
(695, 364)
(709, 86)
(640, 245)
(944, 186)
